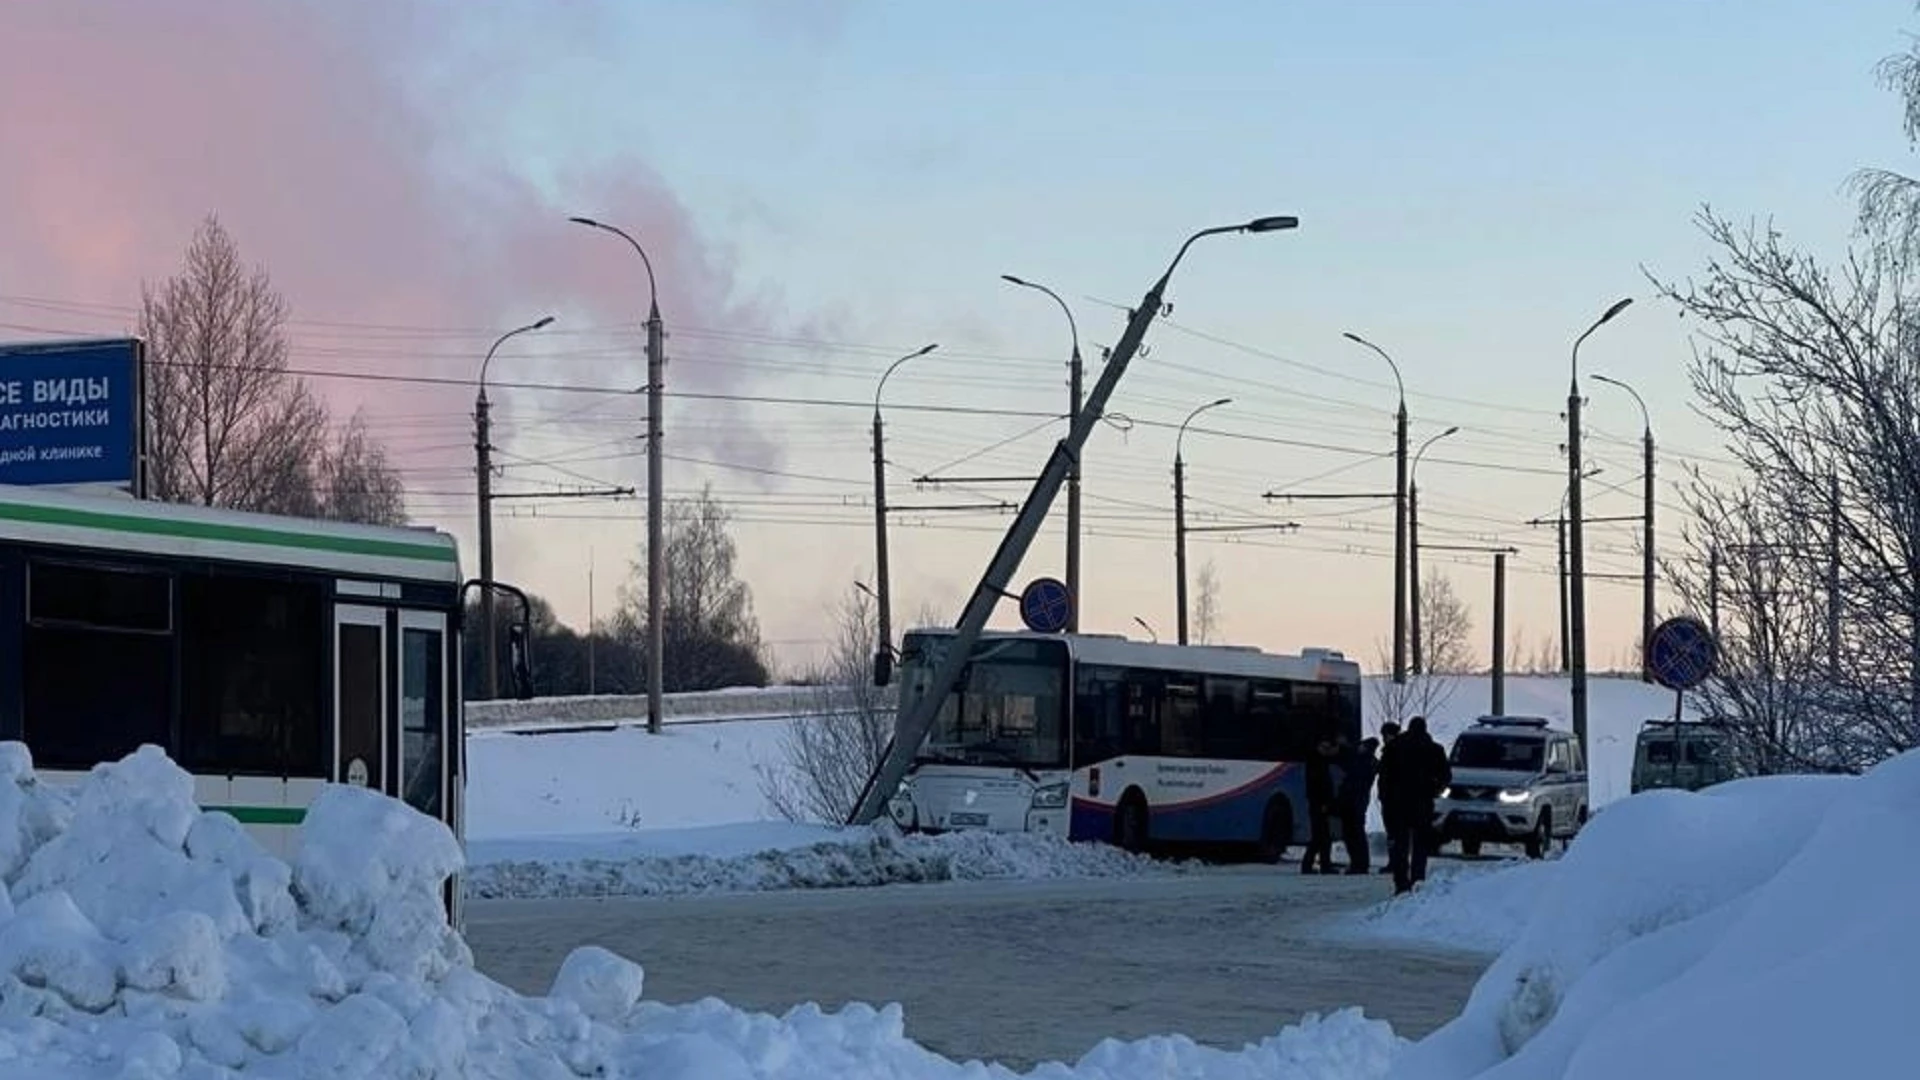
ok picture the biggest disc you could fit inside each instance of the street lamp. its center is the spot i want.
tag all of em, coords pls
(883, 652)
(1073, 476)
(1180, 516)
(1399, 516)
(917, 716)
(656, 363)
(483, 472)
(1646, 525)
(1413, 543)
(1577, 583)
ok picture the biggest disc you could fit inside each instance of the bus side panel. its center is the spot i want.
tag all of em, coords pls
(1091, 820)
(1231, 816)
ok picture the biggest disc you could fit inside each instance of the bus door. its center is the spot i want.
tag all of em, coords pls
(425, 689)
(360, 696)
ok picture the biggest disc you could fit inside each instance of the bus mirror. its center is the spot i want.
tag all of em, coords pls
(882, 667)
(520, 662)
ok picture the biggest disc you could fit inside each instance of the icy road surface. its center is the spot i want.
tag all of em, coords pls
(1018, 972)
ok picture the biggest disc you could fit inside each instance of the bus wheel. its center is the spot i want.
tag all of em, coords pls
(1130, 823)
(1276, 831)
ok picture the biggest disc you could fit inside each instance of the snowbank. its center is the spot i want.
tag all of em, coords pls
(794, 857)
(1758, 929)
(141, 938)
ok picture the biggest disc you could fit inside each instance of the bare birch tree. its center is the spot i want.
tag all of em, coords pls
(1445, 626)
(1206, 605)
(227, 425)
(827, 757)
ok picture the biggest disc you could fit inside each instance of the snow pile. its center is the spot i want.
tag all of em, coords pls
(841, 858)
(141, 938)
(1466, 906)
(1758, 929)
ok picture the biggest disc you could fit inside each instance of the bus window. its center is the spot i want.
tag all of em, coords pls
(1099, 715)
(422, 718)
(251, 655)
(1229, 728)
(97, 663)
(1181, 731)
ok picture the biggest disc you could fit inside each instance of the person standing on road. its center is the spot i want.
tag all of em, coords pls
(1414, 770)
(1389, 809)
(1356, 789)
(1320, 800)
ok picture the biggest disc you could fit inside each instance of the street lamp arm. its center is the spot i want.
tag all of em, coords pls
(922, 351)
(1646, 418)
(653, 296)
(542, 322)
(1618, 306)
(1181, 437)
(1264, 224)
(1397, 381)
(1424, 445)
(1072, 327)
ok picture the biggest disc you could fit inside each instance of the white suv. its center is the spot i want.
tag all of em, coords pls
(1515, 779)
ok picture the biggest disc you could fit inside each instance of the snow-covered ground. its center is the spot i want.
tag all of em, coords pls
(1757, 930)
(768, 856)
(620, 811)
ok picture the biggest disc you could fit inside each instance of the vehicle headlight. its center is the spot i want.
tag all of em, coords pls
(1446, 793)
(1515, 795)
(1050, 796)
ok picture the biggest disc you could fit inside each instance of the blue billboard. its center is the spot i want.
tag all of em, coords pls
(70, 412)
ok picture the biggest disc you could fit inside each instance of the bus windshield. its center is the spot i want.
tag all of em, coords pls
(1010, 708)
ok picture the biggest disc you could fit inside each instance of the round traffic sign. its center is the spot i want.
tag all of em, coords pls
(1682, 653)
(1046, 606)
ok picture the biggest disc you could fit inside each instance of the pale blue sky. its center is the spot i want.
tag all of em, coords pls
(1476, 182)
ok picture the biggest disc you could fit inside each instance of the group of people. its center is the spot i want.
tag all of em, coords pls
(1410, 773)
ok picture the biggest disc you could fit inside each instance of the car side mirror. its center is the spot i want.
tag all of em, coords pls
(1554, 768)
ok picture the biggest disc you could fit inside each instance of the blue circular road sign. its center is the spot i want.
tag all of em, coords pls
(1046, 606)
(1682, 653)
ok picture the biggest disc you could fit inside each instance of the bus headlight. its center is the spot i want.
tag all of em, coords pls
(1050, 796)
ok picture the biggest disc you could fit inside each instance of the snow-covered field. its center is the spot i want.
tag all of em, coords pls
(595, 813)
(1758, 930)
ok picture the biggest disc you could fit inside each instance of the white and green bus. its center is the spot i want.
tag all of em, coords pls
(266, 655)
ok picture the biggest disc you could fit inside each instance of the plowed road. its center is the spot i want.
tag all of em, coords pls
(1017, 972)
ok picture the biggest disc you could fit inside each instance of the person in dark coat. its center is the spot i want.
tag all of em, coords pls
(1356, 791)
(1414, 771)
(1320, 806)
(1389, 810)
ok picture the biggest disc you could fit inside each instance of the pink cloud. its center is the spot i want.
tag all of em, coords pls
(124, 122)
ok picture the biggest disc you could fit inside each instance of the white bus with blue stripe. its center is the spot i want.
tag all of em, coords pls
(1096, 737)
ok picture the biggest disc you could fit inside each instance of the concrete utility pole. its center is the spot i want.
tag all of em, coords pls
(917, 715)
(1413, 545)
(1180, 517)
(1073, 478)
(883, 649)
(1577, 591)
(1646, 538)
(1400, 551)
(656, 554)
(1499, 633)
(483, 474)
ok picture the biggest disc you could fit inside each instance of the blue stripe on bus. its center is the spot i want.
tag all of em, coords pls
(1230, 816)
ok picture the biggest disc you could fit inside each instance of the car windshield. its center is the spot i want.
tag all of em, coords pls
(1010, 708)
(1498, 752)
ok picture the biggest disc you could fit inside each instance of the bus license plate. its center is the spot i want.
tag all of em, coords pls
(966, 819)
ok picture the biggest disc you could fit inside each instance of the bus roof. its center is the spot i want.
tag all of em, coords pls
(41, 515)
(1320, 665)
